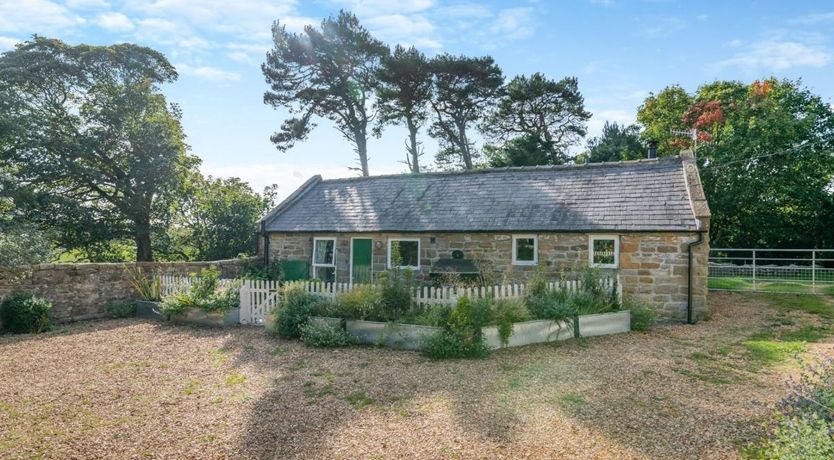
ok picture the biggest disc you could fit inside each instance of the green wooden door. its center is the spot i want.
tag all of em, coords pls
(361, 255)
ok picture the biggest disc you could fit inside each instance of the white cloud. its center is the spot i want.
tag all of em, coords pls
(662, 27)
(702, 17)
(382, 7)
(406, 30)
(114, 22)
(778, 55)
(735, 43)
(597, 121)
(514, 23)
(602, 2)
(814, 18)
(7, 43)
(207, 73)
(87, 4)
(289, 175)
(35, 16)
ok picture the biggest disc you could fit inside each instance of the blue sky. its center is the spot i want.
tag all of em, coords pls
(620, 51)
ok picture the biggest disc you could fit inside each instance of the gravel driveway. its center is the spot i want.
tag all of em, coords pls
(137, 389)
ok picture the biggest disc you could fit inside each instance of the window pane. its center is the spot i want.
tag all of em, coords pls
(604, 252)
(525, 249)
(404, 253)
(323, 253)
(325, 274)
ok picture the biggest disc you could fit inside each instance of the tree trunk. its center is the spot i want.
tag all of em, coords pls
(143, 242)
(362, 151)
(464, 147)
(413, 147)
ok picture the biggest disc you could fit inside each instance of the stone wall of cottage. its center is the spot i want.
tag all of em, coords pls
(653, 266)
(82, 291)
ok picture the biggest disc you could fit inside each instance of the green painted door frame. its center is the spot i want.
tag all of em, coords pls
(361, 257)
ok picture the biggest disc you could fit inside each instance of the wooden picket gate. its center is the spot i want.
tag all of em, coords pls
(257, 300)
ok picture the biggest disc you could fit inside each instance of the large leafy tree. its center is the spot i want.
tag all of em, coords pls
(661, 116)
(554, 111)
(216, 220)
(330, 72)
(526, 150)
(766, 152)
(616, 143)
(94, 147)
(464, 88)
(403, 96)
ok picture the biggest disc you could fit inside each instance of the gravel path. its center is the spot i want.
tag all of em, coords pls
(135, 389)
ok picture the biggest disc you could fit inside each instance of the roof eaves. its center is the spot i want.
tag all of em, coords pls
(290, 200)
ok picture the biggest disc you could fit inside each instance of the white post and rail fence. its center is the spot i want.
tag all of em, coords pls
(798, 271)
(258, 297)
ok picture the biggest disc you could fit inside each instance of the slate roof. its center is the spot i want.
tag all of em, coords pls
(644, 195)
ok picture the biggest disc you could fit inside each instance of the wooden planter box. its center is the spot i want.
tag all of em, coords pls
(150, 310)
(393, 335)
(537, 331)
(605, 323)
(196, 317)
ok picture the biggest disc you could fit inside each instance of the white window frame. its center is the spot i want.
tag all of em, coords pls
(535, 260)
(593, 238)
(314, 265)
(419, 248)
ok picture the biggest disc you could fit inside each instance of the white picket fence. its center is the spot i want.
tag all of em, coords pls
(172, 284)
(258, 298)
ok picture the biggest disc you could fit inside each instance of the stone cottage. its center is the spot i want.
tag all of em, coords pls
(646, 220)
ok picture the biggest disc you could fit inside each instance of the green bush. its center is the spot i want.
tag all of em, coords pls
(449, 345)
(325, 335)
(461, 337)
(25, 313)
(296, 306)
(505, 313)
(432, 315)
(561, 305)
(397, 292)
(643, 317)
(205, 294)
(363, 302)
(121, 308)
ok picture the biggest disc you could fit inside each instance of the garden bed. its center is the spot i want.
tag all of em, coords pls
(197, 317)
(411, 336)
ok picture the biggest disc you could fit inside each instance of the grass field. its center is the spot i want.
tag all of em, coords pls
(771, 285)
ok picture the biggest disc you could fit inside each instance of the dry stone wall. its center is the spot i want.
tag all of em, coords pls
(82, 291)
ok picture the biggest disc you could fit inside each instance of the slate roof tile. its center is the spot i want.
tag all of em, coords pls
(646, 195)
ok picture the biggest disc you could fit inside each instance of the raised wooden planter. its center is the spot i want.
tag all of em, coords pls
(150, 310)
(393, 335)
(411, 336)
(528, 332)
(197, 317)
(605, 323)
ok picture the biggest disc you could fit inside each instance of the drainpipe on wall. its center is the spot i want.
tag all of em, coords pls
(266, 244)
(700, 240)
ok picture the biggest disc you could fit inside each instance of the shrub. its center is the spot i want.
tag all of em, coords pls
(364, 302)
(325, 335)
(803, 427)
(25, 313)
(448, 345)
(205, 294)
(295, 308)
(461, 337)
(397, 292)
(504, 314)
(432, 315)
(121, 308)
(147, 286)
(643, 317)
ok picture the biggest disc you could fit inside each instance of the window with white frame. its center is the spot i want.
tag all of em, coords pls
(604, 251)
(404, 253)
(324, 259)
(525, 250)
